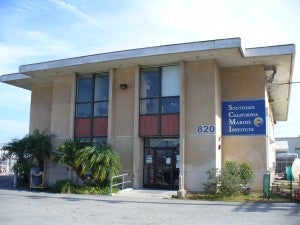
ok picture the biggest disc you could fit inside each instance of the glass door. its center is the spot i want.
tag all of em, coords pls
(161, 166)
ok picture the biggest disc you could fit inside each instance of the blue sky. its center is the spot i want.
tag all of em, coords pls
(41, 30)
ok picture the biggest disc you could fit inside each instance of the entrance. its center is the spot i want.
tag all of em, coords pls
(161, 163)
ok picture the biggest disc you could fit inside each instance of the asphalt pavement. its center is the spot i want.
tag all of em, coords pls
(22, 207)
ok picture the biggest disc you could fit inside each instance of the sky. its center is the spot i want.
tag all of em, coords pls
(34, 31)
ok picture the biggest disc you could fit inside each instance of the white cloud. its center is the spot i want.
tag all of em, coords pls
(72, 9)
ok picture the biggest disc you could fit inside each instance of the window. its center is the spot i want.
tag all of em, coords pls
(159, 101)
(92, 107)
(159, 90)
(84, 96)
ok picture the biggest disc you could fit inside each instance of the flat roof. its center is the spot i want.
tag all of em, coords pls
(226, 53)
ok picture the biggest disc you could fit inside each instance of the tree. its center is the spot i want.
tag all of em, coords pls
(68, 153)
(102, 161)
(39, 145)
(18, 150)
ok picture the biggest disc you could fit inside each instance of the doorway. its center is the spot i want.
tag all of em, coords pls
(161, 163)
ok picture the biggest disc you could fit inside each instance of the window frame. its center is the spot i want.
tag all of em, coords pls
(160, 96)
(92, 103)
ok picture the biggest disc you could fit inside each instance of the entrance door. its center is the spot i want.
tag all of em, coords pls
(161, 167)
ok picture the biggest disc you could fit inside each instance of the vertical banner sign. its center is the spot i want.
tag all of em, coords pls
(244, 118)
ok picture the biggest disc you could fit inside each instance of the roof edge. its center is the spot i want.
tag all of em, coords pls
(134, 53)
(288, 49)
(12, 77)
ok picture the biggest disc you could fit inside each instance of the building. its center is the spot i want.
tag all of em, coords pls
(172, 112)
(287, 149)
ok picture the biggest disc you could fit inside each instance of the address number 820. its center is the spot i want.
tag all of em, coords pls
(205, 129)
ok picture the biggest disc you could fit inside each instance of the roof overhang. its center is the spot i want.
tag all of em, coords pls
(226, 53)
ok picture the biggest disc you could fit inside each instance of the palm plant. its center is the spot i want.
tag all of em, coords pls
(39, 145)
(101, 161)
(18, 150)
(68, 153)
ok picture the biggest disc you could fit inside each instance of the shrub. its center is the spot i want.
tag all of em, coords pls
(64, 186)
(246, 173)
(68, 187)
(210, 187)
(233, 179)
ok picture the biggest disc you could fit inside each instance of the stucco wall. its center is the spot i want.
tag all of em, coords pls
(200, 109)
(41, 107)
(122, 121)
(245, 83)
(62, 120)
(62, 117)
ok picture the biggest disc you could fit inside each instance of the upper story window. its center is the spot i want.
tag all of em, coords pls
(159, 90)
(92, 95)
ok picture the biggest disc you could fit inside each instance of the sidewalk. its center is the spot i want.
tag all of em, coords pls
(146, 193)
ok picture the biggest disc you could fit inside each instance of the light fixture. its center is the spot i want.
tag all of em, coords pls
(123, 86)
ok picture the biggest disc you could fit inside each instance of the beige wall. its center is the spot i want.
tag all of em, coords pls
(41, 107)
(201, 105)
(218, 106)
(62, 120)
(62, 117)
(245, 83)
(122, 116)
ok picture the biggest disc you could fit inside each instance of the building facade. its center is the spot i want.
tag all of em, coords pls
(172, 112)
(287, 150)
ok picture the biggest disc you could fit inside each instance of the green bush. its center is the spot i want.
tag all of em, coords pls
(95, 164)
(68, 187)
(64, 186)
(246, 173)
(210, 187)
(233, 179)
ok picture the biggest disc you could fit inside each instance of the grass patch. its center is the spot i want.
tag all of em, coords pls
(254, 196)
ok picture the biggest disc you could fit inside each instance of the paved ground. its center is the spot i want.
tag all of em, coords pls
(20, 207)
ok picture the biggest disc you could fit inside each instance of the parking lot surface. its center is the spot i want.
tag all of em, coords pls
(20, 207)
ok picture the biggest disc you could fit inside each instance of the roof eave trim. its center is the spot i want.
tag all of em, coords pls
(135, 53)
(13, 77)
(288, 49)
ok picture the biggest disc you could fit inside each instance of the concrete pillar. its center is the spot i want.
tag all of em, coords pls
(137, 142)
(110, 134)
(181, 192)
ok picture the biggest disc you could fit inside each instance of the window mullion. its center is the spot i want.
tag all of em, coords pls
(92, 108)
(160, 101)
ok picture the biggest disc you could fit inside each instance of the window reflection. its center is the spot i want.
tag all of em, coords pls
(83, 110)
(149, 83)
(101, 109)
(84, 88)
(149, 106)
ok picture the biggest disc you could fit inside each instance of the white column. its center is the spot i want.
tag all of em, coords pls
(110, 134)
(137, 142)
(181, 192)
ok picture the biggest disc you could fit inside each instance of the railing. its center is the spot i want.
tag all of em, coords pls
(117, 184)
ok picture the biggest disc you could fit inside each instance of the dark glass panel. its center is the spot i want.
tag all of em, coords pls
(162, 142)
(149, 106)
(101, 109)
(83, 110)
(170, 105)
(149, 84)
(101, 87)
(84, 88)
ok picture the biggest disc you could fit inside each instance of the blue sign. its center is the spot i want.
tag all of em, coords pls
(244, 118)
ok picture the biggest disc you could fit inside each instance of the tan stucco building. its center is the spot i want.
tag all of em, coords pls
(172, 112)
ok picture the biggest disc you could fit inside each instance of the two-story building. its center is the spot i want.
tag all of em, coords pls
(172, 112)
